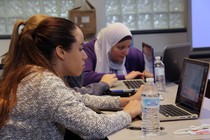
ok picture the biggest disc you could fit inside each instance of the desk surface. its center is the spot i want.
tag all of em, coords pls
(171, 126)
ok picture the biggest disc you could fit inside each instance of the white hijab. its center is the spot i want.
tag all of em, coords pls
(106, 39)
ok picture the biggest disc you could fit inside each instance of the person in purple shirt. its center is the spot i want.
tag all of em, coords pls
(111, 53)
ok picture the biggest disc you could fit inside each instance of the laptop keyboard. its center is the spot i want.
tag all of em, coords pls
(171, 110)
(132, 84)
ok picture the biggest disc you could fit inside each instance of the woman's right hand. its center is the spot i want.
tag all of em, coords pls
(133, 75)
(110, 79)
(137, 95)
(133, 108)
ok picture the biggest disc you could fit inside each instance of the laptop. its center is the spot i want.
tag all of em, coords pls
(208, 90)
(173, 57)
(190, 93)
(125, 88)
(149, 57)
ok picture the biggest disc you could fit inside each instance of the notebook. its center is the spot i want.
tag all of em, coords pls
(190, 93)
(173, 57)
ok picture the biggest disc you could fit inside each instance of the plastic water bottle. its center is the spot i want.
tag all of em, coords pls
(160, 80)
(150, 109)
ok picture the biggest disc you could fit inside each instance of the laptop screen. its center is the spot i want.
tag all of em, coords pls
(173, 57)
(148, 52)
(192, 84)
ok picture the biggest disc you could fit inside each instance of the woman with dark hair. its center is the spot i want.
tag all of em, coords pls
(111, 52)
(36, 101)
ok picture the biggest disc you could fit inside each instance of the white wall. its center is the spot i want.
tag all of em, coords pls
(158, 41)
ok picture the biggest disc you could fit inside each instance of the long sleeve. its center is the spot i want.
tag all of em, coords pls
(93, 89)
(72, 113)
(45, 107)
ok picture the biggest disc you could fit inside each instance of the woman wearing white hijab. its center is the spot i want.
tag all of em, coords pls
(111, 53)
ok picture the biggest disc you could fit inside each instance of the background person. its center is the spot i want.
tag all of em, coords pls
(74, 81)
(111, 53)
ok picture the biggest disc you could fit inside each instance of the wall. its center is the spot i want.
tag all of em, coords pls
(158, 41)
(4, 45)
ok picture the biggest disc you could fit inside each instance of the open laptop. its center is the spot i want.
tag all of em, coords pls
(149, 57)
(173, 57)
(190, 93)
(208, 90)
(125, 87)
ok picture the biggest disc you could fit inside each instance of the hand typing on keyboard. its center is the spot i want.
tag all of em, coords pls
(134, 74)
(110, 79)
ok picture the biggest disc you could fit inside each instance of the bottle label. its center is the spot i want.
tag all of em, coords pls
(150, 102)
(159, 71)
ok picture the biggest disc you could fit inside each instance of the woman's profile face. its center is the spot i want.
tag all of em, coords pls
(75, 58)
(120, 51)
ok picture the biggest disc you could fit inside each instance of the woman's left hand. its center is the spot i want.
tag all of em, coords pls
(137, 95)
(133, 75)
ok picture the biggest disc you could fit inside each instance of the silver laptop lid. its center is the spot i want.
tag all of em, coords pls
(192, 85)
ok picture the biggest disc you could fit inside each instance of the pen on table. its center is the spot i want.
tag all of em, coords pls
(139, 128)
(122, 91)
(134, 128)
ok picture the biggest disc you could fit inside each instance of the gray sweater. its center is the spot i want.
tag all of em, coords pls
(45, 107)
(93, 89)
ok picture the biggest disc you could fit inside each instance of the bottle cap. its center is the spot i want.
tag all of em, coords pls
(149, 79)
(157, 57)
